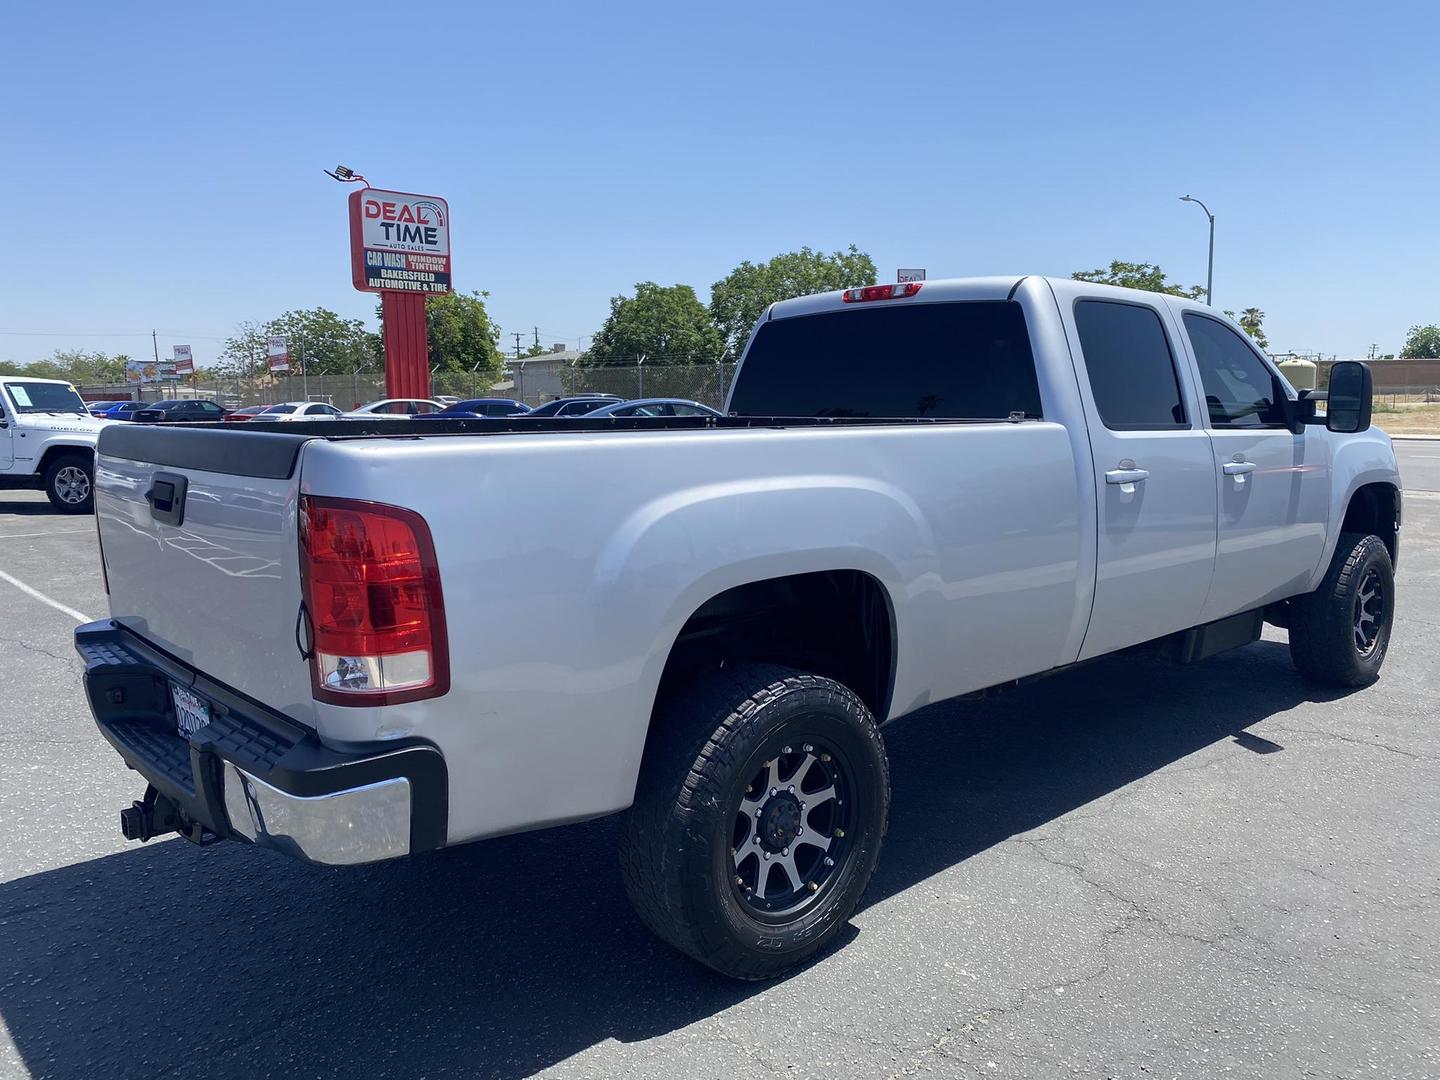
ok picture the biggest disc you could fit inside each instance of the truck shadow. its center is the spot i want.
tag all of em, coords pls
(38, 508)
(505, 957)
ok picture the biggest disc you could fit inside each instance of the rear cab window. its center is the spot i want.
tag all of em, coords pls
(968, 359)
(1132, 371)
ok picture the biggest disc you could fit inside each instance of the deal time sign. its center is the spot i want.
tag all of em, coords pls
(399, 242)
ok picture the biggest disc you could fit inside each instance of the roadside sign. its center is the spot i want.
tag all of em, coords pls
(399, 242)
(277, 353)
(184, 360)
(148, 371)
(903, 276)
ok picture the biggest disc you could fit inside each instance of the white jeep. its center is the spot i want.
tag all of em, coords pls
(47, 441)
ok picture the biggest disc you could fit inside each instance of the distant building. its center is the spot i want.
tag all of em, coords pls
(534, 379)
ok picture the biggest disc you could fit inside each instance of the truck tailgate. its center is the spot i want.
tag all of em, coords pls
(198, 529)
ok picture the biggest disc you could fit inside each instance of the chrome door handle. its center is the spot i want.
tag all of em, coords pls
(1126, 476)
(1238, 468)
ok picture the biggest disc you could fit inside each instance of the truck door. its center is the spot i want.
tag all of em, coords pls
(1154, 475)
(1272, 486)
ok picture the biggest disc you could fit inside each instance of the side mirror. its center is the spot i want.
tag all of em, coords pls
(1348, 401)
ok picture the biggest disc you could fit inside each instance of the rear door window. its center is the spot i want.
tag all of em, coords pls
(1240, 391)
(1131, 368)
(966, 359)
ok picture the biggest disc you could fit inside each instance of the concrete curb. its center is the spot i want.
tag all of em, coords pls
(1417, 438)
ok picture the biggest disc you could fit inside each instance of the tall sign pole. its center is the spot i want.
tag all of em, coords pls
(400, 248)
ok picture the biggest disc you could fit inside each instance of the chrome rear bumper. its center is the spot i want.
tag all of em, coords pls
(342, 828)
(253, 774)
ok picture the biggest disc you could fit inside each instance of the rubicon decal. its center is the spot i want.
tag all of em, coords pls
(399, 241)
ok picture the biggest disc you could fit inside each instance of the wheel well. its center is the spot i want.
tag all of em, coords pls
(53, 452)
(1374, 509)
(835, 623)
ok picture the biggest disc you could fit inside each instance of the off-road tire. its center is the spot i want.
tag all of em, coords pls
(62, 486)
(1323, 628)
(676, 849)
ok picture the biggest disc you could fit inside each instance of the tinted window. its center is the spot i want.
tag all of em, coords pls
(279, 409)
(29, 397)
(690, 410)
(1240, 390)
(580, 408)
(970, 360)
(1132, 372)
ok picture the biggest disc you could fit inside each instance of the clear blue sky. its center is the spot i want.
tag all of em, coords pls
(161, 163)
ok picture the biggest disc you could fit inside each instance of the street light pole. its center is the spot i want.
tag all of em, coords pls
(1210, 263)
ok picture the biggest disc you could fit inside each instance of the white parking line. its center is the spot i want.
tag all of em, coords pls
(52, 532)
(78, 616)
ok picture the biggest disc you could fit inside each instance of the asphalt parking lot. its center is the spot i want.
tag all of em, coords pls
(1133, 869)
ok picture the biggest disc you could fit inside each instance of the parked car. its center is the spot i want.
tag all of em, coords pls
(474, 408)
(249, 412)
(926, 490)
(655, 407)
(300, 410)
(118, 410)
(446, 399)
(47, 441)
(180, 411)
(393, 409)
(575, 405)
(98, 407)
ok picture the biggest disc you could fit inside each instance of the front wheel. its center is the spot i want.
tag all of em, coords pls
(1339, 633)
(70, 484)
(758, 819)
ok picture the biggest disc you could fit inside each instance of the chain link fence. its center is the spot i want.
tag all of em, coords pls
(705, 383)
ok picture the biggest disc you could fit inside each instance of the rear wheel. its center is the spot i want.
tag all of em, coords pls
(1339, 633)
(758, 819)
(70, 483)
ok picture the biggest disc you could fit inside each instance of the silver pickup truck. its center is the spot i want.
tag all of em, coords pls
(374, 642)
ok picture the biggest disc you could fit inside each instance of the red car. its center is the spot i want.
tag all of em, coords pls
(247, 413)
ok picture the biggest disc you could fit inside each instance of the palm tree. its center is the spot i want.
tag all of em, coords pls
(1250, 321)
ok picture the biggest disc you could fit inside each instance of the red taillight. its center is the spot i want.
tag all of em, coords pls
(377, 616)
(880, 292)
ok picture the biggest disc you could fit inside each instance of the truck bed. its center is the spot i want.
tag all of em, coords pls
(572, 553)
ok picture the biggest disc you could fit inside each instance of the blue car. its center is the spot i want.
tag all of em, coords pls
(120, 410)
(476, 408)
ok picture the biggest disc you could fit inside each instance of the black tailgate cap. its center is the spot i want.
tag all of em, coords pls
(270, 455)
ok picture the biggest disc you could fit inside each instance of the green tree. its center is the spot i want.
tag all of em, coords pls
(739, 299)
(1145, 276)
(324, 343)
(244, 352)
(1250, 321)
(1422, 343)
(462, 335)
(664, 324)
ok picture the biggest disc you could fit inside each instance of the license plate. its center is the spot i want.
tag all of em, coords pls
(192, 712)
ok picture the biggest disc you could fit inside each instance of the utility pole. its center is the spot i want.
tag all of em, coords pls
(155, 344)
(537, 338)
(517, 335)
